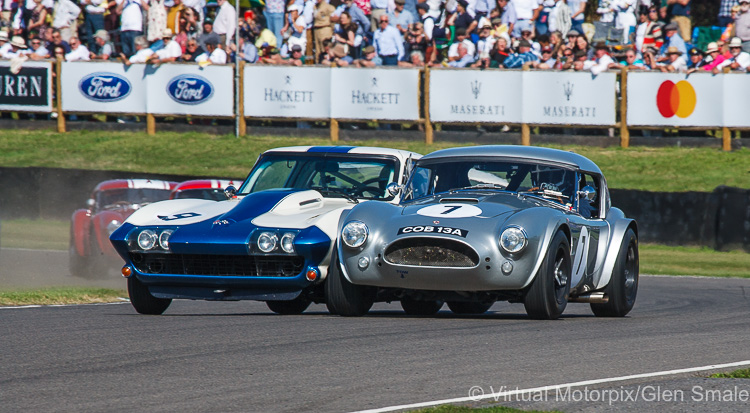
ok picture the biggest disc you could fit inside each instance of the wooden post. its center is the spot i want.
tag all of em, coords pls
(428, 132)
(525, 129)
(624, 132)
(241, 109)
(150, 124)
(334, 130)
(726, 139)
(58, 87)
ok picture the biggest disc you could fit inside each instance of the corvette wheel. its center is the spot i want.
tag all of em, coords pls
(289, 307)
(143, 301)
(460, 307)
(547, 297)
(417, 307)
(344, 298)
(623, 287)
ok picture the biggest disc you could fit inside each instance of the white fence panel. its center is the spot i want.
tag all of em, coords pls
(287, 92)
(103, 87)
(475, 96)
(569, 98)
(387, 94)
(190, 90)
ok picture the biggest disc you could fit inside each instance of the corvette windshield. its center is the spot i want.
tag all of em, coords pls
(550, 182)
(130, 196)
(349, 176)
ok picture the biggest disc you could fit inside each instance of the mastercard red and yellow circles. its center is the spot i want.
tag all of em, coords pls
(676, 99)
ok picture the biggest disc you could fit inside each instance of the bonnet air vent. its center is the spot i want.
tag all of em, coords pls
(309, 202)
(459, 200)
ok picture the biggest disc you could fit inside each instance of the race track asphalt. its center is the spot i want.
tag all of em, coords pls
(238, 356)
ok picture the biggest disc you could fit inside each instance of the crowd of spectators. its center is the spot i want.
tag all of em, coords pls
(542, 34)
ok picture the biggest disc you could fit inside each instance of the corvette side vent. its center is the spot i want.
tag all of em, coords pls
(431, 252)
(459, 201)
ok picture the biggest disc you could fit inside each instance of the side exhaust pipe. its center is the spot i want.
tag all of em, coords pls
(594, 298)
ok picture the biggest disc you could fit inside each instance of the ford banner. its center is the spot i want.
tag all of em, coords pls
(93, 87)
(186, 89)
(29, 90)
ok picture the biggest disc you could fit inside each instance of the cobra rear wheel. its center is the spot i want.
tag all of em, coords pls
(547, 297)
(143, 301)
(418, 307)
(344, 298)
(623, 287)
(289, 307)
(461, 307)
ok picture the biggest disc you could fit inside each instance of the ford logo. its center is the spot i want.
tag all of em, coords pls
(190, 89)
(105, 87)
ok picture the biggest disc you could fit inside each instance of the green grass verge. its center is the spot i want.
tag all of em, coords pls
(60, 295)
(737, 374)
(198, 154)
(465, 409)
(35, 234)
(661, 259)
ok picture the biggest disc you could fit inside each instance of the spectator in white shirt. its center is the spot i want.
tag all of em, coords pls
(675, 62)
(214, 54)
(77, 51)
(65, 18)
(37, 50)
(143, 52)
(740, 59)
(104, 48)
(225, 22)
(170, 52)
(602, 59)
(131, 23)
(17, 47)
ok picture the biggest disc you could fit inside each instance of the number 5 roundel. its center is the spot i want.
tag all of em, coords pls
(450, 211)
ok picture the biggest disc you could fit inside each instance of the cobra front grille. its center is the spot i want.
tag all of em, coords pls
(431, 252)
(219, 265)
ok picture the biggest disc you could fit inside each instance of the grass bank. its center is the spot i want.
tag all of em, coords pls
(651, 169)
(60, 295)
(737, 374)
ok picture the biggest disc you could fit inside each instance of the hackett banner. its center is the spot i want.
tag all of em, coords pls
(475, 96)
(667, 99)
(388, 94)
(103, 87)
(287, 92)
(569, 98)
(28, 90)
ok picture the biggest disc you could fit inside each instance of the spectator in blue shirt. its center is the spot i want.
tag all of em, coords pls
(388, 43)
(672, 39)
(401, 18)
(358, 16)
(464, 58)
(524, 55)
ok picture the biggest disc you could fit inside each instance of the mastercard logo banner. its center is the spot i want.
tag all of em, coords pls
(676, 99)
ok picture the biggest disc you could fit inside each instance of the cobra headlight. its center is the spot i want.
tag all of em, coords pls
(164, 239)
(267, 241)
(354, 234)
(513, 239)
(147, 239)
(112, 226)
(287, 242)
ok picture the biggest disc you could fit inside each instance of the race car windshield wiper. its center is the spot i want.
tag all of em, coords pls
(342, 194)
(480, 186)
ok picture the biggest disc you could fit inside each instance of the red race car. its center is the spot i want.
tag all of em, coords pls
(210, 189)
(110, 204)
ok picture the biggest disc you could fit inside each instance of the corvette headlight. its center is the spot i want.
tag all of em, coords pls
(513, 239)
(354, 234)
(287, 242)
(164, 239)
(112, 226)
(147, 239)
(267, 241)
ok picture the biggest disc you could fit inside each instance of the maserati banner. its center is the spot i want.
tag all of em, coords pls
(464, 95)
(287, 92)
(28, 90)
(103, 88)
(388, 94)
(569, 98)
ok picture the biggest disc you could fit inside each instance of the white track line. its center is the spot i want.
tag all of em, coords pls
(20, 307)
(505, 394)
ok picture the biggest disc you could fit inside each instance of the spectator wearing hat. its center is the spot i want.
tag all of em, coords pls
(740, 59)
(208, 33)
(714, 57)
(322, 25)
(369, 58)
(36, 51)
(103, 48)
(388, 42)
(486, 41)
(295, 56)
(696, 60)
(571, 37)
(274, 14)
(547, 61)
(725, 12)
(4, 44)
(742, 24)
(65, 18)
(170, 52)
(225, 23)
(213, 55)
(577, 14)
(78, 52)
(680, 12)
(524, 56)
(93, 18)
(429, 21)
(337, 56)
(675, 63)
(401, 18)
(602, 60)
(16, 49)
(672, 39)
(142, 52)
(296, 26)
(131, 23)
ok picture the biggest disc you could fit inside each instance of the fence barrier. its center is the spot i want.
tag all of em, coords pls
(614, 99)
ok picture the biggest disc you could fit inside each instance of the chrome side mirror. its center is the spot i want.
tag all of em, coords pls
(588, 192)
(393, 188)
(230, 192)
(90, 203)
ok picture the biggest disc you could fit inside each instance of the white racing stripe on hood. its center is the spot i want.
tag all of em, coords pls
(304, 209)
(180, 212)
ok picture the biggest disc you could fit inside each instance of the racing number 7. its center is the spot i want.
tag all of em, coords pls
(450, 209)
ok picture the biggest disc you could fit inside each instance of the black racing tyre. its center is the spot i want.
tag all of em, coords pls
(418, 307)
(344, 298)
(77, 265)
(461, 307)
(547, 296)
(289, 307)
(143, 301)
(623, 286)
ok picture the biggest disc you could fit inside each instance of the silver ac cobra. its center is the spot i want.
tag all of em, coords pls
(481, 224)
